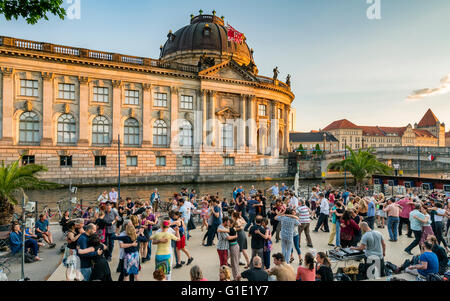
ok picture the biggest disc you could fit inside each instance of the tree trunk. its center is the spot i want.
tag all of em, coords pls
(6, 212)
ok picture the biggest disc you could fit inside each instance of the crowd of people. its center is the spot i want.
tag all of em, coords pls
(265, 217)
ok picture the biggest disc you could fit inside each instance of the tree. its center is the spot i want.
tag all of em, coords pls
(33, 10)
(361, 164)
(317, 151)
(14, 178)
(301, 150)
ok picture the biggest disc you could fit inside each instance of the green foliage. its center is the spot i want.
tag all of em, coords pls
(13, 179)
(317, 151)
(301, 150)
(361, 164)
(31, 10)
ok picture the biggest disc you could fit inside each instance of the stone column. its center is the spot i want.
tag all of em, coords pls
(47, 104)
(204, 94)
(252, 127)
(7, 106)
(116, 111)
(146, 115)
(214, 124)
(84, 127)
(286, 129)
(274, 131)
(242, 128)
(198, 122)
(174, 124)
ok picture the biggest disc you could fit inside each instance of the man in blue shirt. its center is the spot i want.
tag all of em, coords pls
(416, 227)
(274, 190)
(85, 256)
(283, 188)
(154, 197)
(370, 219)
(216, 222)
(345, 196)
(428, 262)
(252, 204)
(42, 230)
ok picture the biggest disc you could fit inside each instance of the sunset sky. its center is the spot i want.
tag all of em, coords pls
(343, 65)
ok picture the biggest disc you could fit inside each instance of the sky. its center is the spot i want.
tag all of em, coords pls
(385, 71)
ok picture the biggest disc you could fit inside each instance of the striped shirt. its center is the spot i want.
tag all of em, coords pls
(304, 216)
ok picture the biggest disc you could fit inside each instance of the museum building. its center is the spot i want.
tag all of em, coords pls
(201, 112)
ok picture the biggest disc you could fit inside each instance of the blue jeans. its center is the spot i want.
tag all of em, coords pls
(286, 247)
(392, 225)
(338, 233)
(251, 221)
(296, 245)
(86, 273)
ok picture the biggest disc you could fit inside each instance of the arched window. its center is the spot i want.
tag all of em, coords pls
(131, 132)
(100, 130)
(66, 129)
(160, 133)
(29, 128)
(186, 133)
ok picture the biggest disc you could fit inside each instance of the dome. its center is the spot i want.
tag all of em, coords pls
(206, 34)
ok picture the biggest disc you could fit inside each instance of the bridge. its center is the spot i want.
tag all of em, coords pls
(411, 161)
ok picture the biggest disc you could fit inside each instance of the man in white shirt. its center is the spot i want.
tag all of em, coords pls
(324, 213)
(293, 201)
(113, 196)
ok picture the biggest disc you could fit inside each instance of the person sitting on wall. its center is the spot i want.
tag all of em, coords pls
(42, 230)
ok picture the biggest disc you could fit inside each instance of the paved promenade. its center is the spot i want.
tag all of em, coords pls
(207, 258)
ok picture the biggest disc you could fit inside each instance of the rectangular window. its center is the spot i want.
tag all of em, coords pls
(65, 161)
(101, 94)
(66, 91)
(160, 100)
(27, 160)
(132, 97)
(131, 161)
(187, 102)
(262, 110)
(227, 135)
(187, 161)
(29, 87)
(280, 114)
(100, 161)
(160, 161)
(228, 161)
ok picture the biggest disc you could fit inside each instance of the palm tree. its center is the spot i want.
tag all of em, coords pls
(361, 164)
(14, 178)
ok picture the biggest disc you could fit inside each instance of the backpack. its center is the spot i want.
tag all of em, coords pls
(29, 258)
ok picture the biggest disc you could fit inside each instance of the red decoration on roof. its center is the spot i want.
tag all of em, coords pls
(234, 35)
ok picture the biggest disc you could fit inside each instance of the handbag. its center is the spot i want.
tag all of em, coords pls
(191, 224)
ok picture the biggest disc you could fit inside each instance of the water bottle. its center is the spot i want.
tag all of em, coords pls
(3, 276)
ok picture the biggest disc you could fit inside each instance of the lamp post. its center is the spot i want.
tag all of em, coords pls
(118, 156)
(23, 238)
(345, 169)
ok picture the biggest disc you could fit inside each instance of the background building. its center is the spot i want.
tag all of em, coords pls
(309, 141)
(199, 113)
(428, 132)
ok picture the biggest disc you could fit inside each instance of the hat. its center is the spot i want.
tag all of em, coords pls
(166, 223)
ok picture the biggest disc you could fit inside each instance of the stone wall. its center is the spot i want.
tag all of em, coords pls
(205, 167)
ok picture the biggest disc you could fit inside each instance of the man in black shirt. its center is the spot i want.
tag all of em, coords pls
(257, 233)
(256, 273)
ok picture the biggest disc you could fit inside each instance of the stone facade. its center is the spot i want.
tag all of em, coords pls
(61, 103)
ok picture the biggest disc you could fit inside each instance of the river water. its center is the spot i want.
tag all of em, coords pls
(90, 194)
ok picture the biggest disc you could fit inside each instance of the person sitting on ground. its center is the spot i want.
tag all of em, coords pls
(282, 270)
(196, 274)
(256, 273)
(323, 267)
(428, 262)
(224, 273)
(16, 242)
(440, 253)
(42, 230)
(308, 272)
(159, 275)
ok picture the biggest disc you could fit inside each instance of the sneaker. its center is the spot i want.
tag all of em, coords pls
(315, 231)
(183, 262)
(190, 260)
(241, 263)
(310, 246)
(331, 245)
(51, 246)
(409, 252)
(177, 266)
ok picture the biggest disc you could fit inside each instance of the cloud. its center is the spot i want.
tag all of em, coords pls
(443, 88)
